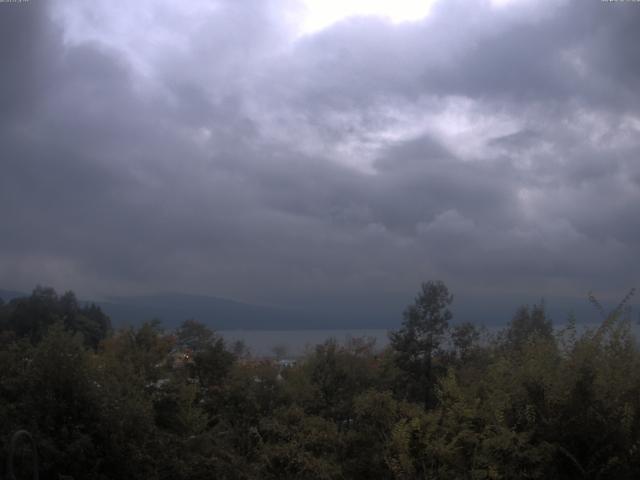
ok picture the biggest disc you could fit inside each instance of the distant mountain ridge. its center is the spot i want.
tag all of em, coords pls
(349, 312)
(8, 295)
(224, 314)
(217, 313)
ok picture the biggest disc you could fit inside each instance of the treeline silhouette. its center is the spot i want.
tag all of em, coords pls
(442, 401)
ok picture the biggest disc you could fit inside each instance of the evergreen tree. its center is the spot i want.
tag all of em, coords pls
(422, 332)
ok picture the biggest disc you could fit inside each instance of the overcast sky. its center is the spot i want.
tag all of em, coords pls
(271, 150)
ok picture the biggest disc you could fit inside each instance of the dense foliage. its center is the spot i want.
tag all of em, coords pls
(442, 401)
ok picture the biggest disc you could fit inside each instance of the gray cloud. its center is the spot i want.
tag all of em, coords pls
(496, 149)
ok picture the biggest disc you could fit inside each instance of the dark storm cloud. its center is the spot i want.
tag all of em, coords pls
(240, 162)
(26, 44)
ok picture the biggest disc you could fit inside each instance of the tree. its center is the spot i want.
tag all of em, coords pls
(94, 324)
(528, 323)
(32, 316)
(425, 323)
(297, 445)
(213, 363)
(336, 375)
(464, 337)
(195, 335)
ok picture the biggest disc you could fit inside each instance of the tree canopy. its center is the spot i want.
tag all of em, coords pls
(425, 323)
(531, 402)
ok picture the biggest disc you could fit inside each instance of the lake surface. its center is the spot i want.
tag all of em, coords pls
(296, 342)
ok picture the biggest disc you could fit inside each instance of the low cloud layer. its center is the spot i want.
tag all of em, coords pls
(214, 149)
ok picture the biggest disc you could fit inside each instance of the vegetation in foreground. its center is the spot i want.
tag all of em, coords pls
(441, 402)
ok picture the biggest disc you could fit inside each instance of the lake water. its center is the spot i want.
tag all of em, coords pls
(296, 342)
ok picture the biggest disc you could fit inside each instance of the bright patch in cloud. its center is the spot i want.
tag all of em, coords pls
(501, 3)
(323, 13)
